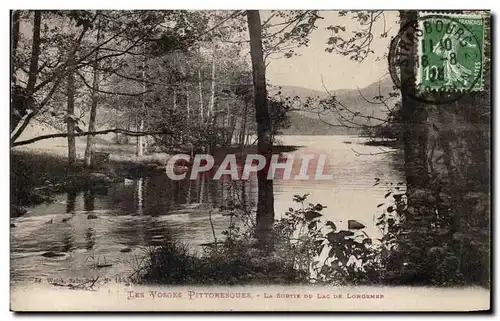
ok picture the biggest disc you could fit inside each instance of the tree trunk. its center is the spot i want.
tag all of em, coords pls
(89, 150)
(140, 139)
(231, 128)
(446, 150)
(265, 203)
(26, 98)
(212, 88)
(244, 126)
(187, 105)
(414, 117)
(35, 54)
(70, 92)
(16, 19)
(201, 96)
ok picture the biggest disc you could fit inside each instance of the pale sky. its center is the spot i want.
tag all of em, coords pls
(339, 72)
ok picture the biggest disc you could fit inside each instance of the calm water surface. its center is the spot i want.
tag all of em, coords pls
(140, 213)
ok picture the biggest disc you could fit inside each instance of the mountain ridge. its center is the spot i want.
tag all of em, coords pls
(352, 104)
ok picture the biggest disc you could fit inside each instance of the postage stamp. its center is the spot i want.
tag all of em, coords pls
(451, 52)
(438, 57)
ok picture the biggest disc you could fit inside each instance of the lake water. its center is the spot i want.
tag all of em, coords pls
(140, 213)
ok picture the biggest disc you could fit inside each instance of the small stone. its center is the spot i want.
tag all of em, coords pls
(91, 217)
(12, 225)
(152, 166)
(51, 254)
(100, 266)
(99, 178)
(126, 250)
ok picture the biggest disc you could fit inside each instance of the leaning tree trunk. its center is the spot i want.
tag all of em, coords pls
(265, 203)
(16, 19)
(25, 98)
(70, 118)
(89, 150)
(16, 110)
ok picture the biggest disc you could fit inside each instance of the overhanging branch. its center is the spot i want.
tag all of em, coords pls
(99, 132)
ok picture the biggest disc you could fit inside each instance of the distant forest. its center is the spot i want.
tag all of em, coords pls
(308, 122)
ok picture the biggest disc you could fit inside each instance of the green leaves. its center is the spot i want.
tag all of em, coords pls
(318, 207)
(331, 225)
(336, 28)
(338, 236)
(312, 225)
(300, 199)
(311, 215)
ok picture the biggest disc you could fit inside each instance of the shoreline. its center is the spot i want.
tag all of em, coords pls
(37, 175)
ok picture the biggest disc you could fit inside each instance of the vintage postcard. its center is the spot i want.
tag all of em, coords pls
(250, 160)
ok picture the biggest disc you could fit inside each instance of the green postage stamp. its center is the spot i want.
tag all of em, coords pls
(451, 52)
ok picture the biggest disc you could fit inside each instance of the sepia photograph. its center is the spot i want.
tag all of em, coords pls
(250, 160)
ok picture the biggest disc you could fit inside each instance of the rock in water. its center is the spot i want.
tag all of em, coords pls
(354, 225)
(126, 250)
(91, 217)
(152, 166)
(99, 178)
(51, 254)
(100, 266)
(12, 225)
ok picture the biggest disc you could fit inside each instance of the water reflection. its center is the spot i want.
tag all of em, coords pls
(89, 238)
(88, 200)
(70, 201)
(143, 212)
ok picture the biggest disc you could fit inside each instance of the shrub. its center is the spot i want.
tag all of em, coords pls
(416, 248)
(302, 253)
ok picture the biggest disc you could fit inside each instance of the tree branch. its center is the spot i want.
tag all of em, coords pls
(373, 153)
(99, 132)
(109, 92)
(16, 133)
(354, 114)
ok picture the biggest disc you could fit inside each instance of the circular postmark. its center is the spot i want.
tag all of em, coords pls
(438, 58)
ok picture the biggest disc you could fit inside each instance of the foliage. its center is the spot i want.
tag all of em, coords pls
(328, 254)
(306, 250)
(355, 43)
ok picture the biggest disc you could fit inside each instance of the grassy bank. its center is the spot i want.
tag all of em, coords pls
(234, 262)
(37, 174)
